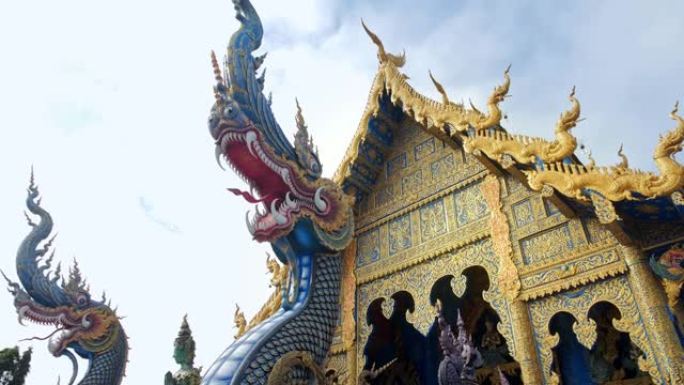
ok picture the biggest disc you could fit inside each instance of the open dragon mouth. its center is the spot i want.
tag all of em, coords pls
(280, 192)
(66, 322)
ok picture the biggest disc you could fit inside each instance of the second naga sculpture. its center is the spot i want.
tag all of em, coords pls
(85, 326)
(307, 219)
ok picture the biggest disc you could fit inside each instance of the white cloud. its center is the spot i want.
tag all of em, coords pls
(109, 102)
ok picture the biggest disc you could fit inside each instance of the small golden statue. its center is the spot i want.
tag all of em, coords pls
(240, 322)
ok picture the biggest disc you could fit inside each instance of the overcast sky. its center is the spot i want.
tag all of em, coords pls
(109, 102)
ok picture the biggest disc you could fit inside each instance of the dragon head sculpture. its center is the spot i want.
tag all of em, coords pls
(285, 180)
(88, 327)
(307, 219)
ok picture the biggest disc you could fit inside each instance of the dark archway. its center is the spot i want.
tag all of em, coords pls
(613, 357)
(570, 357)
(480, 321)
(395, 349)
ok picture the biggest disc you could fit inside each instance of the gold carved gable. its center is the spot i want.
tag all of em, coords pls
(427, 197)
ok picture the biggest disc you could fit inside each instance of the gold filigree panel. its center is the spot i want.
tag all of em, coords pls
(584, 268)
(596, 232)
(384, 195)
(425, 230)
(368, 249)
(422, 252)
(469, 204)
(578, 302)
(550, 208)
(396, 163)
(514, 185)
(424, 148)
(522, 212)
(411, 184)
(551, 243)
(443, 165)
(433, 220)
(418, 166)
(399, 234)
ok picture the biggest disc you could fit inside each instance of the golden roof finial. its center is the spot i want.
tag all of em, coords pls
(497, 96)
(569, 118)
(240, 321)
(671, 142)
(592, 161)
(500, 92)
(384, 56)
(440, 89)
(674, 114)
(472, 106)
(624, 163)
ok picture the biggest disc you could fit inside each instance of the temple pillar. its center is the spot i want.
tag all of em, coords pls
(652, 304)
(524, 351)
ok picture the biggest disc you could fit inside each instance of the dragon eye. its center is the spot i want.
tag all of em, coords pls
(229, 112)
(82, 300)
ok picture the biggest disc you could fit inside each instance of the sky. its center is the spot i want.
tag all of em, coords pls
(109, 100)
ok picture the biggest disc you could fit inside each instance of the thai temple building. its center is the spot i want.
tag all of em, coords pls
(551, 270)
(563, 272)
(444, 250)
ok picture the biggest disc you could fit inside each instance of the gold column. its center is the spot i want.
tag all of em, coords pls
(652, 305)
(524, 351)
(508, 282)
(348, 303)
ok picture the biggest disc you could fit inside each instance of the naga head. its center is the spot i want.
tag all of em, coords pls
(82, 324)
(284, 180)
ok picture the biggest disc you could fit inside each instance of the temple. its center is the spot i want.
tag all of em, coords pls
(563, 272)
(444, 250)
(478, 256)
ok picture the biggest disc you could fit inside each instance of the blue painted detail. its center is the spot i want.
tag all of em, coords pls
(658, 209)
(573, 357)
(381, 131)
(573, 293)
(233, 360)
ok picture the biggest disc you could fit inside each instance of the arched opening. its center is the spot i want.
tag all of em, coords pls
(570, 357)
(395, 349)
(614, 357)
(480, 322)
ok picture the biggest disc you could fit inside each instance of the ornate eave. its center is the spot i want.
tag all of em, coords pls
(618, 194)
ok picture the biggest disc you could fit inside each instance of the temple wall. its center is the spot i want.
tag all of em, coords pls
(431, 214)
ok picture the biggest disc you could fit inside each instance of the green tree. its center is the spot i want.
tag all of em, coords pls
(14, 367)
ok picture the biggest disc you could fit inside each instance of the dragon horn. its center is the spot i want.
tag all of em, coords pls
(217, 69)
(440, 89)
(376, 40)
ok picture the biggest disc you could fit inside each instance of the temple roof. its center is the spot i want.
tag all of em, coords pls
(547, 166)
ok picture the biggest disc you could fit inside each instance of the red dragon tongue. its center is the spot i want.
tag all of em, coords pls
(248, 197)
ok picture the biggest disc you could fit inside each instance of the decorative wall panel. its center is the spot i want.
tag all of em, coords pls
(548, 244)
(433, 220)
(469, 204)
(399, 234)
(368, 249)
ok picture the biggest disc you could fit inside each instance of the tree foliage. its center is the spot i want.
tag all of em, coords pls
(13, 366)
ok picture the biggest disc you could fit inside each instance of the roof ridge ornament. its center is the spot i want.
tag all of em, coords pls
(384, 56)
(617, 183)
(440, 89)
(525, 149)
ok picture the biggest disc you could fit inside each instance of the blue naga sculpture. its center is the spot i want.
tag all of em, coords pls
(88, 327)
(307, 219)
